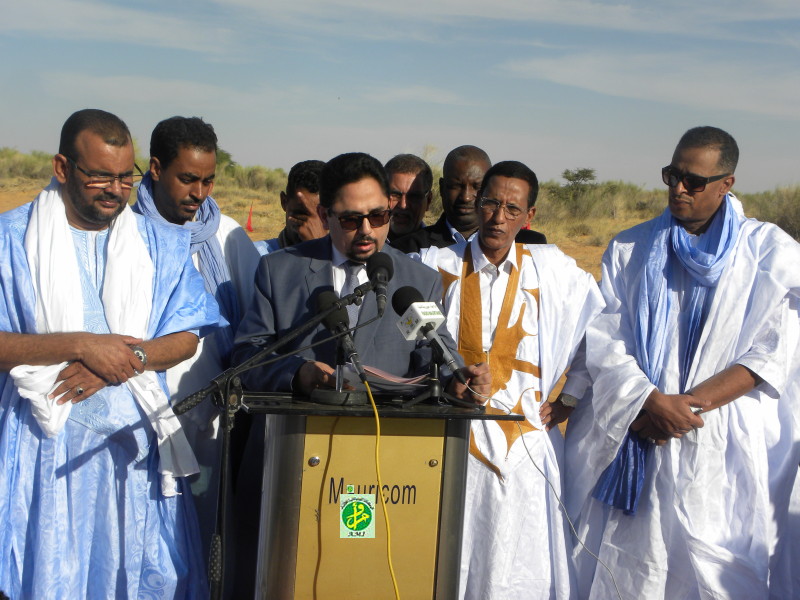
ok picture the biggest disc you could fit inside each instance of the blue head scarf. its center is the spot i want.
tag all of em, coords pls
(621, 483)
(212, 265)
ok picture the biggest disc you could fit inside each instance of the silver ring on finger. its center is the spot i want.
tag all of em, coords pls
(79, 390)
(651, 440)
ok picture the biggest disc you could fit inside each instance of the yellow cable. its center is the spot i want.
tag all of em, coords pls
(380, 489)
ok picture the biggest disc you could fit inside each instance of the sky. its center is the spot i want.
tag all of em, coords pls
(556, 84)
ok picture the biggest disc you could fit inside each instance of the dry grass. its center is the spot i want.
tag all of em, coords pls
(579, 220)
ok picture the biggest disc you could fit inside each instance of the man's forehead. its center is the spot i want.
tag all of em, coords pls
(89, 141)
(467, 168)
(698, 156)
(499, 181)
(408, 176)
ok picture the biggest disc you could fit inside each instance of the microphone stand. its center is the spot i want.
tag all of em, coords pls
(435, 391)
(226, 390)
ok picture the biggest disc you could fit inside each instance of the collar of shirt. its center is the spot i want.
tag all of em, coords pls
(481, 263)
(338, 261)
(457, 234)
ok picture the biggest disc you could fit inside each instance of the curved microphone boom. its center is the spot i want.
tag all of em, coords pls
(380, 269)
(419, 319)
(336, 322)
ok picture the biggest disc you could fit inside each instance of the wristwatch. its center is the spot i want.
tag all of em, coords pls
(140, 354)
(567, 400)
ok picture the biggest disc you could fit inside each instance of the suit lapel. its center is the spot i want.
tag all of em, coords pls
(319, 274)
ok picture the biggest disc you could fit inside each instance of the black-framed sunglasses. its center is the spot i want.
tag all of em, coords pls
(491, 206)
(693, 183)
(353, 222)
(103, 181)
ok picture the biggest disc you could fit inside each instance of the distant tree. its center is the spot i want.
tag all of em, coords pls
(225, 160)
(573, 194)
(579, 178)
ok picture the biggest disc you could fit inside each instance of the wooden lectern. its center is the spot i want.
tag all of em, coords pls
(310, 546)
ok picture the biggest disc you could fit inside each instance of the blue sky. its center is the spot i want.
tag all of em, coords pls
(556, 84)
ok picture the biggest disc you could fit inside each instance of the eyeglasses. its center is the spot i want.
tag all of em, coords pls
(490, 206)
(103, 181)
(413, 197)
(693, 183)
(353, 222)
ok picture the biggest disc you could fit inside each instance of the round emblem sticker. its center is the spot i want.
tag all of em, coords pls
(356, 515)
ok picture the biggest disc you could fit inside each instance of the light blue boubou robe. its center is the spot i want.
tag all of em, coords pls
(82, 514)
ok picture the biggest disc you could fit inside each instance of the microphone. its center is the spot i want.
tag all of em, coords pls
(380, 269)
(420, 319)
(336, 322)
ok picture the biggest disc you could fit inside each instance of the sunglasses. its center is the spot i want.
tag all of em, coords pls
(693, 183)
(353, 222)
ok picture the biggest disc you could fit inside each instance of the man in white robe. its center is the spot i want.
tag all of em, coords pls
(523, 309)
(690, 436)
(177, 190)
(95, 303)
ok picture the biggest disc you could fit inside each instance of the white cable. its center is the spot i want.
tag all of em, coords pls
(552, 488)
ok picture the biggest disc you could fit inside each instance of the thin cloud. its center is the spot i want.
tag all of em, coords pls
(362, 19)
(731, 85)
(96, 21)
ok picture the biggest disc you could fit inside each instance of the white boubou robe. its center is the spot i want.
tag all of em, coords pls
(515, 540)
(712, 518)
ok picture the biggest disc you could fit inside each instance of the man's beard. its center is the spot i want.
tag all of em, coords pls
(88, 209)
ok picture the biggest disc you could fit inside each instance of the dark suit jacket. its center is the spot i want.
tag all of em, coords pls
(286, 289)
(439, 235)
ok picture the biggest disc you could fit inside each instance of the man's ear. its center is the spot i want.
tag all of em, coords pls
(323, 215)
(284, 201)
(531, 213)
(727, 184)
(60, 168)
(155, 168)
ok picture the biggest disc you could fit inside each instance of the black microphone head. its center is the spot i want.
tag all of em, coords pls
(380, 261)
(325, 300)
(405, 297)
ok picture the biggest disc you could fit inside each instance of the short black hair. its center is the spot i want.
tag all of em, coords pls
(349, 168)
(172, 134)
(413, 164)
(304, 175)
(109, 127)
(515, 170)
(464, 153)
(713, 137)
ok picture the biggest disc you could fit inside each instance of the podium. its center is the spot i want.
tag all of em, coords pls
(314, 545)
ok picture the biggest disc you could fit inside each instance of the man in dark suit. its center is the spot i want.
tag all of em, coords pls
(462, 174)
(354, 206)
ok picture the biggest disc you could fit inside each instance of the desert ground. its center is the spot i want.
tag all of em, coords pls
(587, 256)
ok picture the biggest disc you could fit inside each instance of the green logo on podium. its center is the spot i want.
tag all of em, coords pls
(357, 516)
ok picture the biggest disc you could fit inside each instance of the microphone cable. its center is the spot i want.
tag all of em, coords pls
(552, 487)
(380, 488)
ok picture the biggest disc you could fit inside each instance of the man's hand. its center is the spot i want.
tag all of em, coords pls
(643, 425)
(672, 414)
(479, 380)
(75, 378)
(312, 375)
(553, 413)
(308, 227)
(109, 355)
